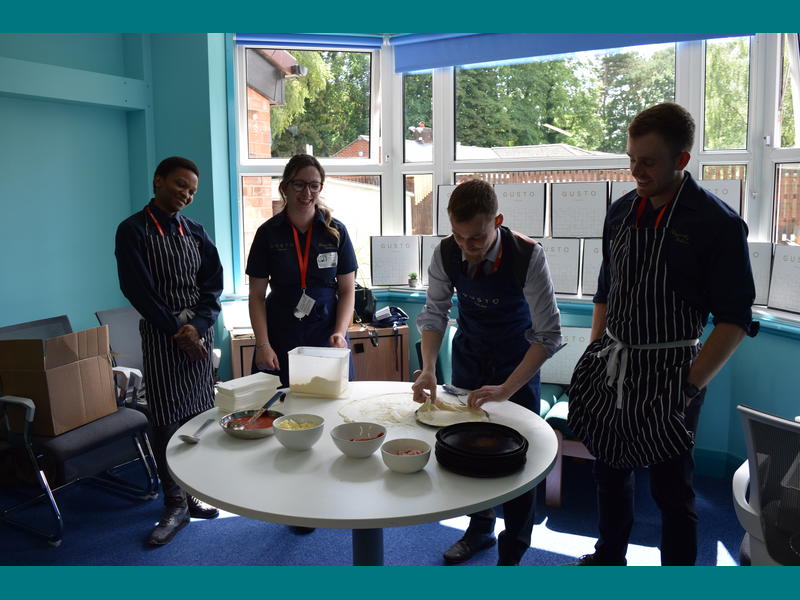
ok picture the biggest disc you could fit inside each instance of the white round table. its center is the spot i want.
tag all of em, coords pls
(321, 487)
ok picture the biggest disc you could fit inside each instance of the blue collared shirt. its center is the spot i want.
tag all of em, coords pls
(706, 251)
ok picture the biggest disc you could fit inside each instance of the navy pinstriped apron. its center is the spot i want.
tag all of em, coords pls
(626, 396)
(177, 387)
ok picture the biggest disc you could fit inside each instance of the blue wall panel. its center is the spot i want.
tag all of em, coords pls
(63, 186)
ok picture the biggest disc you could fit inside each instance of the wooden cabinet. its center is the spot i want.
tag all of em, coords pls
(243, 346)
(383, 357)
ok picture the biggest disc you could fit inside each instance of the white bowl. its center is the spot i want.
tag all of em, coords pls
(405, 463)
(358, 440)
(298, 439)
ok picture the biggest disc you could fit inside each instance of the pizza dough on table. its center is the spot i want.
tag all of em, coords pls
(400, 408)
(386, 409)
(441, 414)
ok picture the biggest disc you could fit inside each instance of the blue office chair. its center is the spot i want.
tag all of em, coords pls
(94, 452)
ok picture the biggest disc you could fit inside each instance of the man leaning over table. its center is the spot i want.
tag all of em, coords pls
(508, 326)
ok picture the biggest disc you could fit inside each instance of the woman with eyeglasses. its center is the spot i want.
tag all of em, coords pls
(307, 258)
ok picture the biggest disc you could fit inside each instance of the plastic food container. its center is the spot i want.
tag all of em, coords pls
(320, 372)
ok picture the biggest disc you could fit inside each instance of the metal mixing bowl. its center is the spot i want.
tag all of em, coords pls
(232, 428)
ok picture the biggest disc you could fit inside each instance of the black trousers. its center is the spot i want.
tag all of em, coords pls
(672, 490)
(518, 515)
(173, 493)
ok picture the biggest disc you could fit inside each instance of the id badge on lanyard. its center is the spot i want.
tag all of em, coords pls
(306, 302)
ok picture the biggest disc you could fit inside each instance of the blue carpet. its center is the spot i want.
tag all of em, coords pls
(105, 529)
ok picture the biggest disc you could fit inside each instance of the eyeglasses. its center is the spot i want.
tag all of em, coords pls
(299, 185)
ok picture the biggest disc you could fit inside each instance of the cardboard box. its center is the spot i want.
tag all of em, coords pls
(68, 378)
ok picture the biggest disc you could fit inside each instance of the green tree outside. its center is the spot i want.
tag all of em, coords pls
(591, 98)
(727, 83)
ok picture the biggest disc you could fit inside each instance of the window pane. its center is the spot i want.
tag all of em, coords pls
(725, 172)
(727, 84)
(354, 200)
(260, 201)
(418, 117)
(559, 176)
(789, 103)
(559, 107)
(311, 101)
(419, 204)
(787, 227)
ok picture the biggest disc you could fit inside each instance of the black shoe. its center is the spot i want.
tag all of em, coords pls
(301, 530)
(593, 560)
(199, 509)
(467, 547)
(507, 563)
(173, 519)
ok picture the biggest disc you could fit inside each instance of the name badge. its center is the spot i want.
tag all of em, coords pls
(327, 260)
(304, 306)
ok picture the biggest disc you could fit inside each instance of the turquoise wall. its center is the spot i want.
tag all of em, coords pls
(84, 119)
(64, 184)
(97, 52)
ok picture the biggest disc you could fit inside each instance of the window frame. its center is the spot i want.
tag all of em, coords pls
(387, 135)
(273, 167)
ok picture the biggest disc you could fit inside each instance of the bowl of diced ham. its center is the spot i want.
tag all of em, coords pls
(358, 440)
(406, 455)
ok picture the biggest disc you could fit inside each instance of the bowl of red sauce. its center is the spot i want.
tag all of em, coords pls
(238, 424)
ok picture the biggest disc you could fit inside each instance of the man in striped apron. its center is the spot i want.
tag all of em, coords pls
(170, 272)
(508, 325)
(672, 254)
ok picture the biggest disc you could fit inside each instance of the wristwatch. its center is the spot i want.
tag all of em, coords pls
(690, 392)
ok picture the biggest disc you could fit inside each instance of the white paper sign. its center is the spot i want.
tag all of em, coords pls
(429, 243)
(393, 258)
(727, 190)
(522, 206)
(563, 260)
(579, 209)
(559, 367)
(784, 286)
(761, 263)
(442, 198)
(592, 259)
(620, 188)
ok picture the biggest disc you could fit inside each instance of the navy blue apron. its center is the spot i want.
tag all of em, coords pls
(626, 396)
(286, 331)
(177, 387)
(493, 316)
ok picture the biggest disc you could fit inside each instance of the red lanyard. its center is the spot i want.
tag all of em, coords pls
(302, 260)
(499, 259)
(158, 225)
(640, 210)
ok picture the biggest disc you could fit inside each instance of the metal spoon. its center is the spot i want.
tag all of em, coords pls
(279, 396)
(193, 439)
